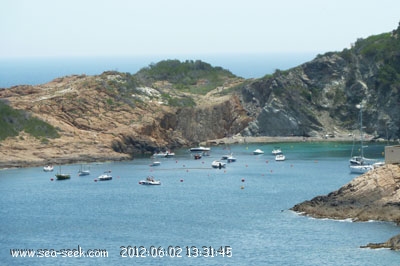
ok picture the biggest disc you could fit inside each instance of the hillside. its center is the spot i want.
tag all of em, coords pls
(320, 96)
(174, 104)
(116, 115)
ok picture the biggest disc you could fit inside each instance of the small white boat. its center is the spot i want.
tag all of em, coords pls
(231, 159)
(280, 157)
(227, 157)
(48, 168)
(276, 151)
(155, 163)
(360, 169)
(166, 154)
(258, 152)
(105, 176)
(150, 181)
(218, 164)
(378, 164)
(200, 149)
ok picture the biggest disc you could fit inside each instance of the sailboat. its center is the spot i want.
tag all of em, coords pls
(83, 172)
(359, 164)
(61, 176)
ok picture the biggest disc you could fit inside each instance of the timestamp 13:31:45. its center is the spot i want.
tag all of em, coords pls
(208, 251)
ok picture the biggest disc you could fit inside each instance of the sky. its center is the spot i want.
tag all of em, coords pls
(63, 28)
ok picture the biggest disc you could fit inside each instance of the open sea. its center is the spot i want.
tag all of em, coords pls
(39, 70)
(197, 216)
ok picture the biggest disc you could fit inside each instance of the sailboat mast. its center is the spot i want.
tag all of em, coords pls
(361, 133)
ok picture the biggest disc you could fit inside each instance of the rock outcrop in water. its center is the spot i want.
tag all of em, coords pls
(374, 195)
(393, 244)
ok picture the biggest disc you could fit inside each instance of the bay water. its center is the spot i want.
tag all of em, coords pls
(240, 212)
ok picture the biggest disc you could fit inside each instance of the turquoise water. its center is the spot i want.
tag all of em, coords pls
(195, 206)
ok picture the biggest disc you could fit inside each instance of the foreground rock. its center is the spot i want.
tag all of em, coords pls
(374, 195)
(393, 244)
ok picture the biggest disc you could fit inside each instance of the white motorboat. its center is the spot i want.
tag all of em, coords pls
(378, 164)
(166, 154)
(276, 151)
(231, 159)
(228, 157)
(218, 164)
(105, 176)
(200, 149)
(280, 157)
(225, 157)
(155, 163)
(258, 152)
(150, 181)
(48, 168)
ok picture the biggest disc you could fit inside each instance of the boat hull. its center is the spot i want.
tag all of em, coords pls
(149, 183)
(200, 149)
(105, 177)
(63, 176)
(48, 168)
(218, 165)
(258, 152)
(360, 169)
(83, 173)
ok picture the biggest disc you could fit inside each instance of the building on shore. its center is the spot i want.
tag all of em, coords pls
(392, 154)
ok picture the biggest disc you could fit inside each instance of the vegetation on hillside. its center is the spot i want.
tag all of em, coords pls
(13, 121)
(190, 76)
(385, 50)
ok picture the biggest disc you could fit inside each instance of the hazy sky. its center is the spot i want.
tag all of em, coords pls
(184, 27)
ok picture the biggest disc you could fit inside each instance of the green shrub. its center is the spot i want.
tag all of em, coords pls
(13, 121)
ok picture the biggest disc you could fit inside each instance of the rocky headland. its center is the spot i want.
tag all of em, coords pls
(173, 104)
(374, 195)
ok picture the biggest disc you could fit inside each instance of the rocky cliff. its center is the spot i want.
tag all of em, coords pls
(114, 116)
(321, 96)
(374, 195)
